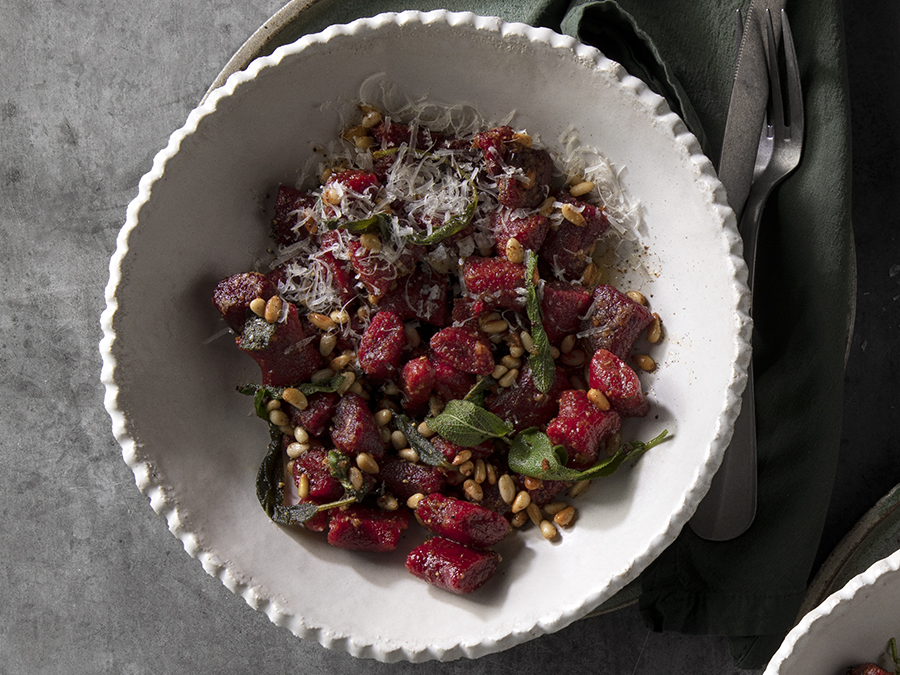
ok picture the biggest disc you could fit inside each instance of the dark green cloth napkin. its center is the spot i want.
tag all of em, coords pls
(749, 589)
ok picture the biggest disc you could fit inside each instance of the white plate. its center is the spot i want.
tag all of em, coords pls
(851, 627)
(198, 217)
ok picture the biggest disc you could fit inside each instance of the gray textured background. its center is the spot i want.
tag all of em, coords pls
(92, 581)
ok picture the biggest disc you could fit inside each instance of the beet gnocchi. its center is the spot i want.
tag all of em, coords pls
(434, 341)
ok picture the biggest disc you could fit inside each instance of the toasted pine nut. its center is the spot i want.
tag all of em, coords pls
(654, 333)
(327, 344)
(467, 468)
(398, 440)
(572, 214)
(527, 341)
(507, 488)
(332, 196)
(303, 486)
(495, 327)
(473, 490)
(591, 276)
(279, 418)
(414, 500)
(491, 474)
(273, 309)
(532, 483)
(294, 450)
(370, 241)
(534, 512)
(339, 362)
(573, 358)
(521, 502)
(425, 430)
(509, 379)
(548, 530)
(388, 502)
(320, 321)
(499, 371)
(274, 404)
(637, 297)
(515, 252)
(462, 457)
(339, 316)
(385, 434)
(553, 508)
(321, 375)
(645, 362)
(516, 352)
(511, 362)
(408, 454)
(363, 142)
(383, 416)
(523, 139)
(295, 397)
(519, 519)
(371, 119)
(568, 343)
(581, 188)
(579, 488)
(565, 517)
(366, 463)
(356, 478)
(357, 388)
(546, 207)
(598, 398)
(258, 307)
(480, 471)
(351, 133)
(349, 379)
(413, 339)
(301, 435)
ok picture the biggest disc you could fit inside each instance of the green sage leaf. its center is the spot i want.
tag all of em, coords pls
(270, 488)
(453, 226)
(376, 223)
(531, 453)
(479, 392)
(540, 361)
(468, 424)
(262, 393)
(428, 454)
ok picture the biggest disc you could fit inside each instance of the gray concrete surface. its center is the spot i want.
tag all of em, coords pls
(92, 581)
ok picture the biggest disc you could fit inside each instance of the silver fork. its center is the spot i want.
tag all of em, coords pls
(730, 505)
(781, 140)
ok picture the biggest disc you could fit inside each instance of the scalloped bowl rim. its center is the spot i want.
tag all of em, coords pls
(823, 617)
(153, 485)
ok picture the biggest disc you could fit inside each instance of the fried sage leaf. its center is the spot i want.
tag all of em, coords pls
(478, 393)
(428, 454)
(531, 453)
(467, 424)
(262, 393)
(453, 226)
(270, 488)
(540, 361)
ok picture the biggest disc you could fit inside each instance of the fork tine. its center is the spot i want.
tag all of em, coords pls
(775, 100)
(792, 70)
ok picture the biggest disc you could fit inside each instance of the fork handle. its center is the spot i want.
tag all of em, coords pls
(735, 483)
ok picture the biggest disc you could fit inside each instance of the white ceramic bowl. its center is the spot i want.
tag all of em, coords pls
(852, 626)
(199, 217)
